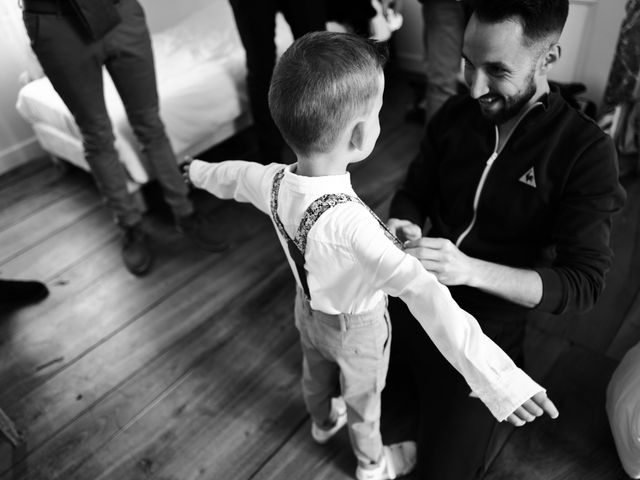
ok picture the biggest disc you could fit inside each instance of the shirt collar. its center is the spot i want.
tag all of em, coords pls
(324, 184)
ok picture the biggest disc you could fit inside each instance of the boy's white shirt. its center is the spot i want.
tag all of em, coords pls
(351, 265)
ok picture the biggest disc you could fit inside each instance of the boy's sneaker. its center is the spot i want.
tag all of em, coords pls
(397, 460)
(339, 410)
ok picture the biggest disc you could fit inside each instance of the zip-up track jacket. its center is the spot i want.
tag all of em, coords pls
(544, 202)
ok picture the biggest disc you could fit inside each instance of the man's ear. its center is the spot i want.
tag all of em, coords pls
(550, 58)
(357, 136)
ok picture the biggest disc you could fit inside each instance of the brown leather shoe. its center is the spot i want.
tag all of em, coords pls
(202, 232)
(136, 253)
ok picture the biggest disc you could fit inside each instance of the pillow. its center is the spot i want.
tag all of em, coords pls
(623, 410)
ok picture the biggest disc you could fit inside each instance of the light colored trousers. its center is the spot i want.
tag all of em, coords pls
(346, 355)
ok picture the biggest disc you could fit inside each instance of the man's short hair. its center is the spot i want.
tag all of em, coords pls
(540, 19)
(323, 81)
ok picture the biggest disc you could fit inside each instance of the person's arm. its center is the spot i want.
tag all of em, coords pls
(452, 267)
(581, 232)
(241, 180)
(490, 373)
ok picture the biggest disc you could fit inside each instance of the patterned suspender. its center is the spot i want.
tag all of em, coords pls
(298, 245)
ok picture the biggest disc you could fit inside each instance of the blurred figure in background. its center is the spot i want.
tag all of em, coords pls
(73, 40)
(443, 29)
(256, 22)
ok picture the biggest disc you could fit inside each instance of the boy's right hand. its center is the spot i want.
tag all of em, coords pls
(535, 407)
(404, 230)
(184, 169)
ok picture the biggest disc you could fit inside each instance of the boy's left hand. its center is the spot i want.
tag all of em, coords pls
(533, 408)
(184, 169)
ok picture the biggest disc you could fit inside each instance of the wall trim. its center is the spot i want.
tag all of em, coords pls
(19, 154)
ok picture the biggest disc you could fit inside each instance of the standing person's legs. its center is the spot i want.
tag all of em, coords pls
(356, 14)
(364, 362)
(256, 22)
(131, 66)
(74, 67)
(320, 374)
(349, 356)
(304, 16)
(444, 22)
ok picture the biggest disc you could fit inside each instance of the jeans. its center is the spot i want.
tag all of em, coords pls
(256, 22)
(74, 64)
(346, 355)
(444, 23)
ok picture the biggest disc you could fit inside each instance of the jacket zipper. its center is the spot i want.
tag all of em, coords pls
(485, 173)
(476, 198)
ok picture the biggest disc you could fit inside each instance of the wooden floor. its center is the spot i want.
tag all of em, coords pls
(191, 372)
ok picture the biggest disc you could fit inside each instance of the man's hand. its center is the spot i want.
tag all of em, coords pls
(404, 229)
(442, 258)
(184, 169)
(533, 408)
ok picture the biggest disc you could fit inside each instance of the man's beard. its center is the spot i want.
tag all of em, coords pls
(511, 106)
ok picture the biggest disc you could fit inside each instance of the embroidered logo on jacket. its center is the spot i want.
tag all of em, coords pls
(529, 178)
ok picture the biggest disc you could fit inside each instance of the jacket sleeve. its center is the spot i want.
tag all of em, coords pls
(488, 370)
(236, 179)
(591, 196)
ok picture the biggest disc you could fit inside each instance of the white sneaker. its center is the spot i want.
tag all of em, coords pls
(397, 460)
(339, 409)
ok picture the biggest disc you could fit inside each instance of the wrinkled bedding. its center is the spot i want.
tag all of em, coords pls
(200, 67)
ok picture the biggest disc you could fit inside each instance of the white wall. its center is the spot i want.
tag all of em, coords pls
(588, 41)
(17, 142)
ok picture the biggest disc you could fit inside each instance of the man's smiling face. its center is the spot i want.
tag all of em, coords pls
(499, 67)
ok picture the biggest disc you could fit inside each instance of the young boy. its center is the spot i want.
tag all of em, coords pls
(325, 97)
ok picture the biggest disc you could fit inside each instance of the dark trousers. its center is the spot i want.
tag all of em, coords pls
(454, 429)
(74, 66)
(256, 24)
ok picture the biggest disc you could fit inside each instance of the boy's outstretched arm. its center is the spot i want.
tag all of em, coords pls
(233, 179)
(507, 391)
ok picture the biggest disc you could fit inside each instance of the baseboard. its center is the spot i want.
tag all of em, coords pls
(19, 154)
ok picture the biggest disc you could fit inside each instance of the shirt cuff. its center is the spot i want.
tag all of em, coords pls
(196, 169)
(513, 389)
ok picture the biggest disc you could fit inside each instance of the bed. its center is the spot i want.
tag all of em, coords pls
(200, 67)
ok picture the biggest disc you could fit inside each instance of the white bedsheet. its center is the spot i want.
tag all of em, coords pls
(200, 68)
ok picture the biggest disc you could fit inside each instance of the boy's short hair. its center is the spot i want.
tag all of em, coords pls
(324, 80)
(541, 19)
